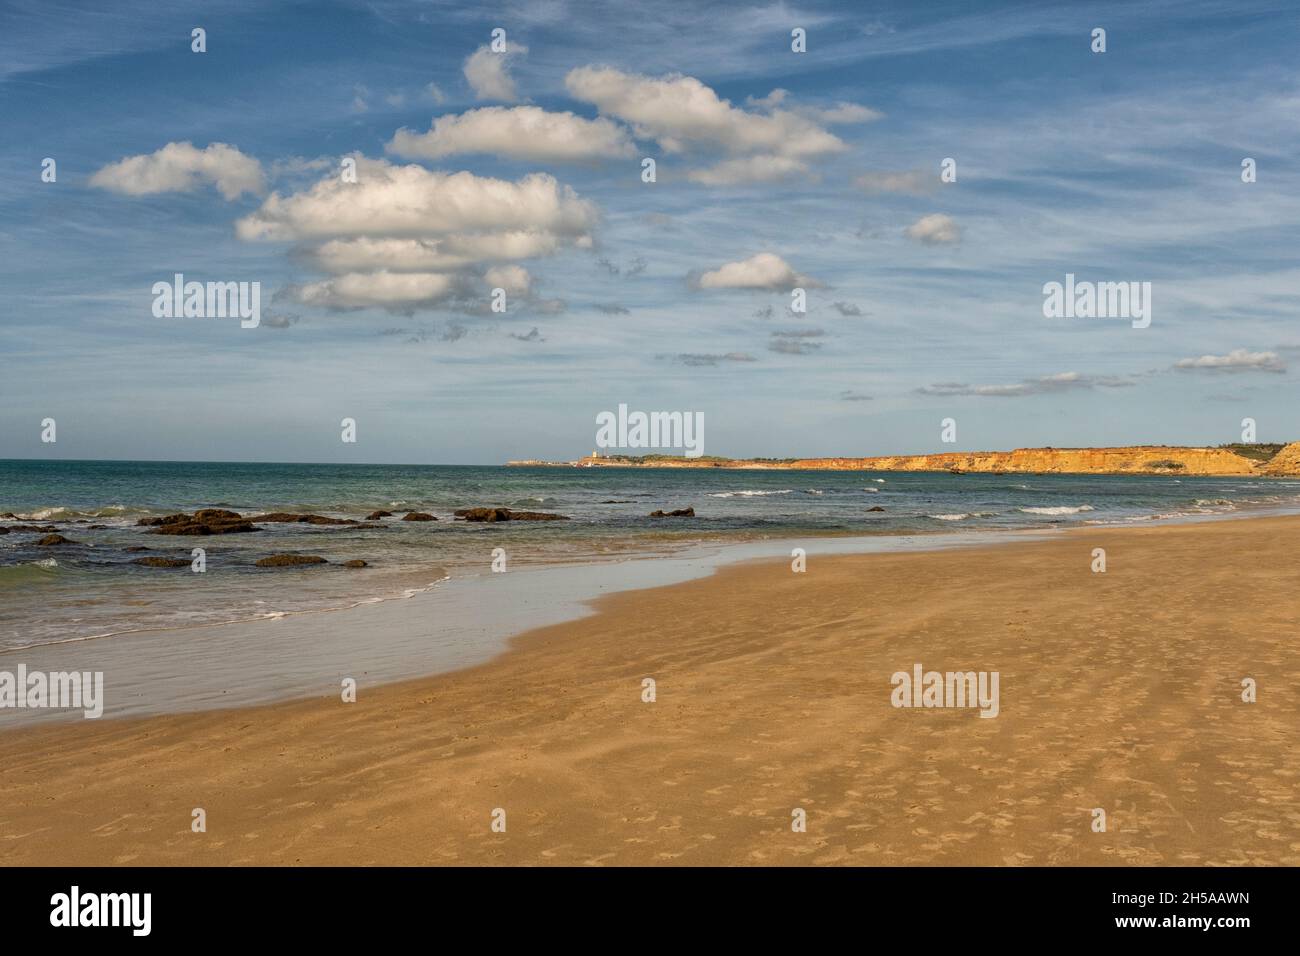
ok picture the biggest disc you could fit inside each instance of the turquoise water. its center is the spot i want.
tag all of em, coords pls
(90, 588)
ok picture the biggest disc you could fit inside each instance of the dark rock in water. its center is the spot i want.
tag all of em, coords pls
(4, 530)
(615, 501)
(482, 514)
(204, 521)
(289, 560)
(167, 519)
(679, 513)
(209, 515)
(162, 562)
(505, 514)
(138, 547)
(285, 517)
(876, 508)
(198, 528)
(418, 516)
(33, 528)
(50, 540)
(97, 527)
(367, 524)
(355, 563)
(376, 515)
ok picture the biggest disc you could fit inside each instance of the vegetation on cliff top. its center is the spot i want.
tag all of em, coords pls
(1261, 452)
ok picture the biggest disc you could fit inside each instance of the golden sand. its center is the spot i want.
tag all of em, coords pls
(1120, 691)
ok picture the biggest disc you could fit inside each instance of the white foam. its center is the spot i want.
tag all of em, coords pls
(749, 493)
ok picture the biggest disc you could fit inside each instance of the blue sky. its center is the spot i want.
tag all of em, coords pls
(924, 298)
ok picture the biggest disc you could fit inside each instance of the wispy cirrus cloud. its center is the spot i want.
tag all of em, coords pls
(1045, 385)
(702, 359)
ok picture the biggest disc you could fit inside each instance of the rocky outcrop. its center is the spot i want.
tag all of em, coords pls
(876, 508)
(289, 560)
(679, 513)
(418, 516)
(52, 540)
(33, 528)
(203, 522)
(1285, 462)
(205, 528)
(288, 517)
(162, 562)
(505, 514)
(376, 515)
(355, 563)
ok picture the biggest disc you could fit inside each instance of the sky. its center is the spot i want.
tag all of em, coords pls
(521, 169)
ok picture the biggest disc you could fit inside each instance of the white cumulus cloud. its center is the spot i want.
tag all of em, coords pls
(411, 201)
(762, 271)
(450, 253)
(406, 238)
(181, 167)
(934, 229)
(488, 73)
(521, 132)
(394, 291)
(682, 114)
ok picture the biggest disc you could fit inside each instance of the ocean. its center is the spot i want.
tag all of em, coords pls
(91, 588)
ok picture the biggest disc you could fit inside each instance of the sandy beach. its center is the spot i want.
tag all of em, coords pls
(1119, 690)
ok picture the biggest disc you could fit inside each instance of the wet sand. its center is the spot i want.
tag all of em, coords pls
(1120, 691)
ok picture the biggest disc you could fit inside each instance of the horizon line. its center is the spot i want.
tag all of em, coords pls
(616, 454)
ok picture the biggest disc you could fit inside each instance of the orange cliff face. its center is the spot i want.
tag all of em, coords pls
(1140, 459)
(1133, 460)
(1285, 462)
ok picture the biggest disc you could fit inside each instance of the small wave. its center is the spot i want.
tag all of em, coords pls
(1057, 510)
(60, 513)
(879, 481)
(874, 491)
(1214, 502)
(813, 491)
(749, 493)
(963, 516)
(29, 572)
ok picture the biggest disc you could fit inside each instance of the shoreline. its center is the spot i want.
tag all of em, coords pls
(1119, 692)
(280, 657)
(283, 659)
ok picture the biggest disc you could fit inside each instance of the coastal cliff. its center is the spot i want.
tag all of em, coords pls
(1261, 459)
